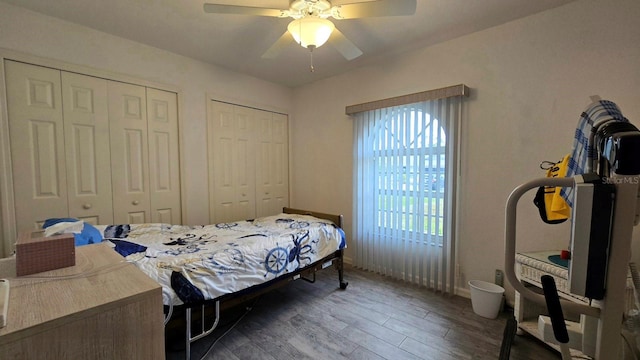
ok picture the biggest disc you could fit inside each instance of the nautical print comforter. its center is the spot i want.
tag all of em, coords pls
(197, 263)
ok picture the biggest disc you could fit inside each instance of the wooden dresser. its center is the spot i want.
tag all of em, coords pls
(101, 308)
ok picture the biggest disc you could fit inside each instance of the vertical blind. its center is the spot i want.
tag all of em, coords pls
(405, 170)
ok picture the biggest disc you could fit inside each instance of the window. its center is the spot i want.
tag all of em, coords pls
(409, 165)
(405, 176)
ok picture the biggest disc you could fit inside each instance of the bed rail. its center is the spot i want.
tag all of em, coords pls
(336, 219)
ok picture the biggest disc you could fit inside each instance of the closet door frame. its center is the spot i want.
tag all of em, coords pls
(8, 230)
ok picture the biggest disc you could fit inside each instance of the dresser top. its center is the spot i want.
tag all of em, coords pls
(101, 280)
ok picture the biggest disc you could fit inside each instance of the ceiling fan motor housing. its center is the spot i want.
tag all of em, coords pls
(310, 7)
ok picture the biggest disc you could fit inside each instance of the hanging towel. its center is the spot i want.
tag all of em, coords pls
(584, 156)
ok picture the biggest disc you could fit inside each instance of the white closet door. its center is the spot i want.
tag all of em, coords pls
(280, 142)
(164, 169)
(220, 149)
(37, 145)
(244, 163)
(231, 163)
(272, 190)
(129, 153)
(86, 139)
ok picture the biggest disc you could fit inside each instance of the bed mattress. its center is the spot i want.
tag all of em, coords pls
(198, 263)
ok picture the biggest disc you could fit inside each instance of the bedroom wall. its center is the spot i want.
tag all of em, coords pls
(32, 33)
(530, 80)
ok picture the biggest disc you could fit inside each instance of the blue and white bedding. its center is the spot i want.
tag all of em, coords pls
(197, 263)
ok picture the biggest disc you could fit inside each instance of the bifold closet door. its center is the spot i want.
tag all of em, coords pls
(37, 143)
(272, 170)
(91, 148)
(164, 161)
(231, 163)
(86, 134)
(129, 153)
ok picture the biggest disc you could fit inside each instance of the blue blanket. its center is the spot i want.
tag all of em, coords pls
(88, 235)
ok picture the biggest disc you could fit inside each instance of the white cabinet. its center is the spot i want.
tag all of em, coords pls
(90, 148)
(248, 162)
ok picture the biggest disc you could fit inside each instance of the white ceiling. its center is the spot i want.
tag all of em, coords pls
(237, 42)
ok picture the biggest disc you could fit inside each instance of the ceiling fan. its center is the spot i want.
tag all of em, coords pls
(311, 27)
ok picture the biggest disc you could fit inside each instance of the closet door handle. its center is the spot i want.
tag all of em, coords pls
(244, 194)
(86, 206)
(135, 202)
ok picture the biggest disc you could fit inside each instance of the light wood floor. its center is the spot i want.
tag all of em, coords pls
(374, 318)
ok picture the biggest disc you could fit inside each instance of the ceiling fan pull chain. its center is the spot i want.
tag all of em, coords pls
(311, 68)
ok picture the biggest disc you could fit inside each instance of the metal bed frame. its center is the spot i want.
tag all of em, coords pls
(308, 273)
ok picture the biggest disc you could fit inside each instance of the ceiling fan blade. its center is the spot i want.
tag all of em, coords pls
(375, 8)
(344, 46)
(275, 49)
(244, 10)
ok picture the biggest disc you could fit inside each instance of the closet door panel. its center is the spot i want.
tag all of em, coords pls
(129, 153)
(37, 145)
(280, 172)
(264, 166)
(244, 180)
(272, 188)
(164, 169)
(244, 163)
(86, 125)
(231, 163)
(220, 130)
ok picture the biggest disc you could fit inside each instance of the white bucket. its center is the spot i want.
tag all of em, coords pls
(486, 298)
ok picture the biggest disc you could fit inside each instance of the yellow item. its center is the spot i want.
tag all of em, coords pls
(557, 208)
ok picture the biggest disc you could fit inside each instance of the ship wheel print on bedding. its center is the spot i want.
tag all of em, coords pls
(278, 258)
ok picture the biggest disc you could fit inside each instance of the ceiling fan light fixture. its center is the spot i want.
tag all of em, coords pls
(311, 31)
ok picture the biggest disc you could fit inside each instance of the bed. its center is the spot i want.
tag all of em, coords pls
(222, 265)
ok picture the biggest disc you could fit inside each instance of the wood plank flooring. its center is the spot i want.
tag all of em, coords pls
(374, 318)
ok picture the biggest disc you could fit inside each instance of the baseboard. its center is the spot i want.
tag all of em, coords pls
(464, 292)
(460, 291)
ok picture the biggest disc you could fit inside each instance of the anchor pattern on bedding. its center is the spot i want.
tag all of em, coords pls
(203, 262)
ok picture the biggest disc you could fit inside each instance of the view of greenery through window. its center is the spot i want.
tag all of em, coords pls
(409, 158)
(405, 214)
